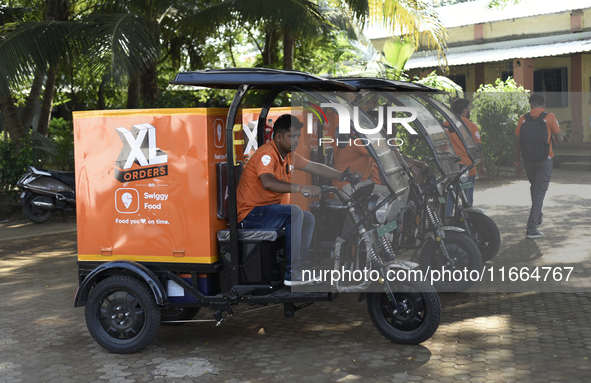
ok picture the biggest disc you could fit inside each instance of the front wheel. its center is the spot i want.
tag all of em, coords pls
(122, 315)
(418, 319)
(485, 234)
(35, 213)
(464, 256)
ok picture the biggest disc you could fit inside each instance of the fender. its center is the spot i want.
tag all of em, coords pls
(25, 195)
(120, 268)
(476, 210)
(454, 228)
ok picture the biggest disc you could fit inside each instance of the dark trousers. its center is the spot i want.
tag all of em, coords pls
(538, 174)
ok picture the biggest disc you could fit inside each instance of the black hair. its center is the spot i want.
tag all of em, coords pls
(460, 104)
(536, 100)
(284, 122)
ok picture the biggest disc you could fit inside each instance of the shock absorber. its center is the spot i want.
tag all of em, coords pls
(433, 217)
(388, 254)
(464, 197)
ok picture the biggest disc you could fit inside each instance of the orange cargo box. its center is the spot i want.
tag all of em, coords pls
(146, 184)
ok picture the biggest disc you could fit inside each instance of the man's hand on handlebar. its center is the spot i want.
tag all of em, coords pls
(310, 191)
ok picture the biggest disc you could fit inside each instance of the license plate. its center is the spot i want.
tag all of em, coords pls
(467, 185)
(387, 228)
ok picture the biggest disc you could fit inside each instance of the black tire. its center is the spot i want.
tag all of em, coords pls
(34, 213)
(485, 234)
(122, 315)
(178, 313)
(414, 326)
(462, 250)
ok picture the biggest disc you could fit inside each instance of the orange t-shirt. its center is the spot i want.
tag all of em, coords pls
(459, 146)
(250, 192)
(358, 159)
(551, 124)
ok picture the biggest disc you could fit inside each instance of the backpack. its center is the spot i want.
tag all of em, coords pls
(535, 145)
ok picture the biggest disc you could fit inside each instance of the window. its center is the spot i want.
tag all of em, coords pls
(459, 79)
(553, 84)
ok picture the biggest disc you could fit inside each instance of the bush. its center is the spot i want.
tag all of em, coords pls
(13, 163)
(496, 110)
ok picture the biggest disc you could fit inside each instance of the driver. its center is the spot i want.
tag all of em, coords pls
(265, 181)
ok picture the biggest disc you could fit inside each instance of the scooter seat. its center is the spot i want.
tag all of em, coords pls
(66, 177)
(252, 235)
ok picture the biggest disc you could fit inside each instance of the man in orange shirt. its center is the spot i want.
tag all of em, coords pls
(462, 107)
(539, 170)
(265, 180)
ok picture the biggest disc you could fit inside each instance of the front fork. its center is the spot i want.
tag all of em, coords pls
(463, 216)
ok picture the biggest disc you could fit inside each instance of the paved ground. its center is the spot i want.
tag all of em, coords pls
(521, 336)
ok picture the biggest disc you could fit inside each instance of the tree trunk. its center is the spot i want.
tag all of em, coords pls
(101, 96)
(133, 92)
(270, 48)
(150, 89)
(12, 122)
(47, 102)
(288, 43)
(32, 100)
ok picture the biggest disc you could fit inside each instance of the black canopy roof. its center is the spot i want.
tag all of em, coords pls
(259, 78)
(385, 85)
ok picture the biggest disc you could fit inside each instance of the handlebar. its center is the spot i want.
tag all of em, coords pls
(324, 189)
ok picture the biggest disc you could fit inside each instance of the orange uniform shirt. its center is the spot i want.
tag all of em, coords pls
(551, 124)
(459, 146)
(266, 159)
(358, 159)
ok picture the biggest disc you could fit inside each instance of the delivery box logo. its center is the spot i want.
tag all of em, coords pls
(139, 148)
(127, 200)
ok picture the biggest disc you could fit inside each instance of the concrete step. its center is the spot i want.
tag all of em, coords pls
(580, 166)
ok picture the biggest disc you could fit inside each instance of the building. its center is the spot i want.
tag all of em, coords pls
(544, 44)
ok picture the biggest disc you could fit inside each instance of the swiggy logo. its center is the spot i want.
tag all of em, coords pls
(139, 148)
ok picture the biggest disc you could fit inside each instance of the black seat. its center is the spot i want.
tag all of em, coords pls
(252, 235)
(66, 177)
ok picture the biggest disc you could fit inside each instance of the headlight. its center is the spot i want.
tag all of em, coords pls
(382, 212)
(464, 177)
(440, 188)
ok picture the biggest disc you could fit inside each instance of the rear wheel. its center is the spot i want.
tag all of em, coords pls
(465, 257)
(414, 322)
(485, 234)
(35, 213)
(122, 315)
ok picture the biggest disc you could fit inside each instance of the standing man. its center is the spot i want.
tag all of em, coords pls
(462, 107)
(534, 134)
(265, 180)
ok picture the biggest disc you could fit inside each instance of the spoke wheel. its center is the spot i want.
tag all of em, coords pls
(35, 213)
(414, 321)
(485, 234)
(464, 255)
(122, 315)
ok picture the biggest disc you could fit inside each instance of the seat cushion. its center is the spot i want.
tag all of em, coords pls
(252, 235)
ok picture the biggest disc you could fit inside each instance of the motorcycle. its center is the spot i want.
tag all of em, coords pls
(45, 191)
(442, 247)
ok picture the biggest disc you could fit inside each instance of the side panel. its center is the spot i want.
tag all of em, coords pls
(145, 183)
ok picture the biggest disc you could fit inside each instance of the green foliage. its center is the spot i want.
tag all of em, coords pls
(57, 150)
(441, 82)
(13, 164)
(496, 110)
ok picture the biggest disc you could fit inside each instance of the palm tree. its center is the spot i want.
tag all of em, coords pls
(119, 44)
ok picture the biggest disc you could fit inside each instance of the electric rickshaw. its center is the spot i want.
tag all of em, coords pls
(158, 237)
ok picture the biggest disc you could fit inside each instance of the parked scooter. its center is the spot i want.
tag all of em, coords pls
(45, 191)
